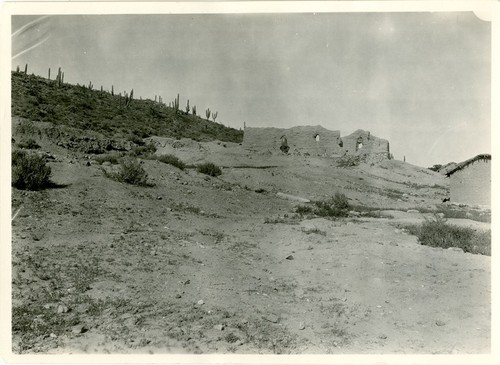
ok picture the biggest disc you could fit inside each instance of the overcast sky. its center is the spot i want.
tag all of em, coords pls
(420, 80)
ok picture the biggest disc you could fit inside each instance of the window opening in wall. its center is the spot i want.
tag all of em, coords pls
(359, 143)
(284, 144)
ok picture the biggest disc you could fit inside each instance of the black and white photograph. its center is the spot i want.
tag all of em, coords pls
(248, 179)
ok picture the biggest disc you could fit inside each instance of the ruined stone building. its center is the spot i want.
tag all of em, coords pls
(470, 181)
(316, 141)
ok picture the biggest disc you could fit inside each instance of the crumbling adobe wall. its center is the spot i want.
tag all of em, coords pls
(362, 143)
(317, 141)
(314, 140)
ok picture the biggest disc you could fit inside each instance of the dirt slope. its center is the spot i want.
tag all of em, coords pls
(198, 264)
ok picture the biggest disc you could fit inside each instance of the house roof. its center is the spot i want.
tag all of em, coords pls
(462, 165)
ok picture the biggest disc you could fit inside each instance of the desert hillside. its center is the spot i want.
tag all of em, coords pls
(118, 115)
(136, 244)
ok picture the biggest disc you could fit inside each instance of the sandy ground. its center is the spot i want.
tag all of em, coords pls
(198, 264)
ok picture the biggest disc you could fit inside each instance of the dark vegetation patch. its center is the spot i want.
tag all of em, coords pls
(172, 160)
(209, 168)
(350, 161)
(29, 171)
(112, 158)
(435, 168)
(437, 233)
(29, 144)
(130, 171)
(144, 151)
(304, 209)
(336, 206)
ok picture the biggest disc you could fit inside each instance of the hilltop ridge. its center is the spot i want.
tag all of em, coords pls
(39, 99)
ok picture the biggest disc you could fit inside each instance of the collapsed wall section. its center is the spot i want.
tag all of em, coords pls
(316, 141)
(362, 143)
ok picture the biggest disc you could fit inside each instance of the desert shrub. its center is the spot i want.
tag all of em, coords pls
(111, 157)
(172, 160)
(336, 206)
(209, 169)
(29, 171)
(349, 161)
(130, 172)
(340, 201)
(135, 139)
(27, 127)
(29, 144)
(437, 233)
(144, 151)
(435, 167)
(304, 209)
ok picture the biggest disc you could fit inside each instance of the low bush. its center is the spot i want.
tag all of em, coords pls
(304, 209)
(435, 167)
(337, 206)
(130, 172)
(349, 161)
(113, 158)
(135, 139)
(209, 169)
(172, 160)
(29, 171)
(341, 202)
(144, 151)
(437, 233)
(29, 144)
(28, 128)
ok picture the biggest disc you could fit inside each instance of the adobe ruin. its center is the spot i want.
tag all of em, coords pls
(316, 141)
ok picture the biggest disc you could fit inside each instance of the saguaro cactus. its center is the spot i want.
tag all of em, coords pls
(194, 109)
(59, 78)
(49, 73)
(187, 107)
(176, 104)
(26, 69)
(207, 113)
(128, 99)
(214, 115)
